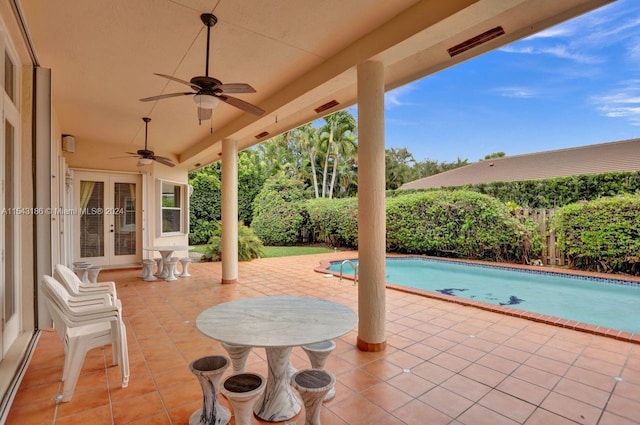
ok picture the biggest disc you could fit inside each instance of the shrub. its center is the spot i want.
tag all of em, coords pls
(333, 221)
(249, 245)
(601, 235)
(277, 213)
(458, 224)
(204, 203)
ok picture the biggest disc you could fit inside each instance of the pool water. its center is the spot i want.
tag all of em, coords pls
(601, 302)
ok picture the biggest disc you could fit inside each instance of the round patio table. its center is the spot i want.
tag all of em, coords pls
(277, 323)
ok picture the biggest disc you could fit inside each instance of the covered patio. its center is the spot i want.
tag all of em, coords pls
(444, 363)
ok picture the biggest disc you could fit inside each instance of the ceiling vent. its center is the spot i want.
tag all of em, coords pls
(261, 135)
(326, 106)
(476, 41)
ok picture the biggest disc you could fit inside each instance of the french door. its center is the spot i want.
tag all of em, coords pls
(10, 290)
(108, 218)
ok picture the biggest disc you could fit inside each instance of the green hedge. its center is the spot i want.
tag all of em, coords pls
(277, 212)
(555, 192)
(601, 235)
(459, 224)
(204, 204)
(333, 221)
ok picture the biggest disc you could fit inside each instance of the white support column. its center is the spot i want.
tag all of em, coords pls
(371, 208)
(229, 211)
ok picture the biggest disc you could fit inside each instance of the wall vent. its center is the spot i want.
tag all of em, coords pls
(261, 135)
(326, 106)
(475, 41)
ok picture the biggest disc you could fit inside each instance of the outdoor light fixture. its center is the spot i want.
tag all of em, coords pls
(144, 161)
(206, 101)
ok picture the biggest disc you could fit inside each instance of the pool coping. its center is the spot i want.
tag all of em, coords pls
(626, 336)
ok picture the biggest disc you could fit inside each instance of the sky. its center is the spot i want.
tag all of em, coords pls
(574, 84)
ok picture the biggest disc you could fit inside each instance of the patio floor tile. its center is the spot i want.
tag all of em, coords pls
(444, 363)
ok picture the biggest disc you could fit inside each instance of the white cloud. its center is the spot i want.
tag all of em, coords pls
(557, 31)
(516, 92)
(559, 51)
(397, 97)
(621, 103)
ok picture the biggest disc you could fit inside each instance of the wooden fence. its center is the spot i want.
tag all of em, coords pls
(550, 254)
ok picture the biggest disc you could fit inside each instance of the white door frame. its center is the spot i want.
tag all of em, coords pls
(115, 218)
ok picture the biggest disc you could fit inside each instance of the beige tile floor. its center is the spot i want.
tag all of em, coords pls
(445, 363)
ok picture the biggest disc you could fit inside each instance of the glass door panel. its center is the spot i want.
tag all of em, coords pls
(125, 218)
(92, 208)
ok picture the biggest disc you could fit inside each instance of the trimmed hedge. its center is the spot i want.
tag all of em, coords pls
(601, 235)
(333, 221)
(555, 192)
(459, 224)
(277, 212)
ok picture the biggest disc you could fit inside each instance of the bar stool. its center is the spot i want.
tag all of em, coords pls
(170, 266)
(318, 354)
(238, 355)
(81, 269)
(242, 390)
(209, 370)
(92, 274)
(158, 266)
(185, 264)
(147, 270)
(313, 385)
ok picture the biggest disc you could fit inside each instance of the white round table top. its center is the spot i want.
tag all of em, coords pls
(170, 248)
(276, 321)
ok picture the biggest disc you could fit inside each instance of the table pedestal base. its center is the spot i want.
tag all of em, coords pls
(278, 402)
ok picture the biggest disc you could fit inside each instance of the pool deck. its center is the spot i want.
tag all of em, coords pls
(445, 363)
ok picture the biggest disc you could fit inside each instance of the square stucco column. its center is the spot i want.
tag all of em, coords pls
(229, 211)
(371, 208)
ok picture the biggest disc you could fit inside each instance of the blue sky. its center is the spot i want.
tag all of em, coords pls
(575, 84)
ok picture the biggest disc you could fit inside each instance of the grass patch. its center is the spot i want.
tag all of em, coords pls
(287, 251)
(281, 251)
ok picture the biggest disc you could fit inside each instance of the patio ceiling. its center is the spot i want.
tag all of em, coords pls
(298, 55)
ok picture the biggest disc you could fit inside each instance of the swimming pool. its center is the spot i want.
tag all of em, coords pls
(603, 302)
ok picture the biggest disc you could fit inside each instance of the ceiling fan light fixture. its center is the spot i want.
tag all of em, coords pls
(144, 161)
(206, 101)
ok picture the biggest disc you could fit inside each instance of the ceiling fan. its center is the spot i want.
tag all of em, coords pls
(208, 91)
(145, 156)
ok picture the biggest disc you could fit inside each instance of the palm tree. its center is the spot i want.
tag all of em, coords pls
(337, 124)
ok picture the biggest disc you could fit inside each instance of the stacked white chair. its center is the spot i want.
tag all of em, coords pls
(74, 285)
(85, 322)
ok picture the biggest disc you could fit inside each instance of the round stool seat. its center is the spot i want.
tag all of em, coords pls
(209, 371)
(170, 266)
(185, 266)
(242, 390)
(313, 385)
(147, 270)
(318, 354)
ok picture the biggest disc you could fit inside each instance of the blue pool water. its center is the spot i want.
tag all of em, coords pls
(601, 302)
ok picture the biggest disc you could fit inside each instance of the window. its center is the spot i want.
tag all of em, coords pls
(173, 207)
(9, 77)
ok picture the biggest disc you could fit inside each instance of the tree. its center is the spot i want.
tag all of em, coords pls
(338, 129)
(494, 155)
(398, 167)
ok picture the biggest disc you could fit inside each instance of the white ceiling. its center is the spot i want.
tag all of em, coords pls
(297, 54)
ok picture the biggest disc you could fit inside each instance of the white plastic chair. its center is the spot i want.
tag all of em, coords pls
(84, 323)
(74, 285)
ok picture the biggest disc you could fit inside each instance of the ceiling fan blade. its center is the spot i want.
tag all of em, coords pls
(178, 80)
(164, 96)
(241, 104)
(204, 114)
(235, 88)
(163, 160)
(133, 155)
